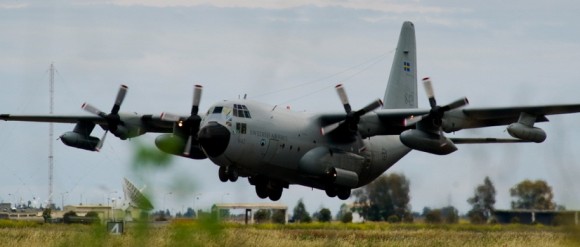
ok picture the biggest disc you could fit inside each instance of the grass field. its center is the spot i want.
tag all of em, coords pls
(211, 233)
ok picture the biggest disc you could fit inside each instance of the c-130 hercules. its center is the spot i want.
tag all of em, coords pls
(275, 147)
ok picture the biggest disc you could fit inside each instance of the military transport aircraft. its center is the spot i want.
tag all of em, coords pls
(275, 147)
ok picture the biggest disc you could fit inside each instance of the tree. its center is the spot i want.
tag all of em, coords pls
(533, 195)
(450, 215)
(433, 216)
(279, 216)
(346, 217)
(482, 202)
(189, 213)
(300, 214)
(344, 214)
(46, 214)
(324, 215)
(387, 195)
(262, 215)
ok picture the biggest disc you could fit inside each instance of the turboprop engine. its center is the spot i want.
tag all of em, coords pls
(427, 142)
(78, 140)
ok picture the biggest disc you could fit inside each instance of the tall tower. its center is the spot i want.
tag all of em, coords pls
(50, 135)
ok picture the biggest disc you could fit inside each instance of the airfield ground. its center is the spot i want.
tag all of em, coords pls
(208, 233)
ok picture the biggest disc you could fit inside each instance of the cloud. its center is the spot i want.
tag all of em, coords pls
(375, 5)
(13, 5)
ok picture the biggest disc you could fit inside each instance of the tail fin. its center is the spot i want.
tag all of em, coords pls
(402, 86)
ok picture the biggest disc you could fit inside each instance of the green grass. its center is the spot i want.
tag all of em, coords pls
(208, 232)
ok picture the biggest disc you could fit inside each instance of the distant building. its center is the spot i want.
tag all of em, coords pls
(544, 217)
(251, 207)
(5, 207)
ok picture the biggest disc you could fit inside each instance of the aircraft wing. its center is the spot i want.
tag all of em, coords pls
(145, 123)
(393, 121)
(52, 118)
(497, 116)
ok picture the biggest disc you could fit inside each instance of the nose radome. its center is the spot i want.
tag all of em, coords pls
(214, 139)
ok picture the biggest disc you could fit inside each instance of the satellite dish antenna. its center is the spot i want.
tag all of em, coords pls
(135, 197)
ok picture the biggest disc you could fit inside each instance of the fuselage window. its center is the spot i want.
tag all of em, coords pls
(218, 109)
(241, 128)
(241, 111)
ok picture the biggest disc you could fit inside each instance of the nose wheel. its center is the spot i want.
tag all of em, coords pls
(228, 173)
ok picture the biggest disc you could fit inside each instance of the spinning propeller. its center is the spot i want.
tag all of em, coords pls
(191, 124)
(113, 119)
(437, 112)
(352, 117)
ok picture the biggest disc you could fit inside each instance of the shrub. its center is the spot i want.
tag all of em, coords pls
(393, 219)
(433, 217)
(346, 217)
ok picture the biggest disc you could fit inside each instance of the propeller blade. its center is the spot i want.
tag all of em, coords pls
(90, 108)
(101, 142)
(170, 117)
(370, 107)
(188, 146)
(327, 129)
(427, 84)
(119, 100)
(412, 120)
(455, 104)
(343, 98)
(196, 99)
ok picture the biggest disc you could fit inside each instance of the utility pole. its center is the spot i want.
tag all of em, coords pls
(50, 135)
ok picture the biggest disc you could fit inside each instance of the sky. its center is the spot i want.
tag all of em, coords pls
(290, 53)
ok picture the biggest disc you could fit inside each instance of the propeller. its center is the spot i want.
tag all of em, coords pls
(191, 123)
(437, 112)
(352, 117)
(113, 119)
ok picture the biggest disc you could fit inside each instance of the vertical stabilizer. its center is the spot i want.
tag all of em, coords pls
(402, 86)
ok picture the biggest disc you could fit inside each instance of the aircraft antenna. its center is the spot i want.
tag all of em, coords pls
(50, 135)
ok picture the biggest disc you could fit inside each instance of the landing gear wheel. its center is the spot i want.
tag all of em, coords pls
(222, 173)
(232, 174)
(262, 191)
(343, 193)
(275, 193)
(330, 192)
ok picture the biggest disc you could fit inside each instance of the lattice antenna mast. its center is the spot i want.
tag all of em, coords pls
(50, 135)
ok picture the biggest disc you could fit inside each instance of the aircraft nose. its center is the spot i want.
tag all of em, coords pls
(214, 139)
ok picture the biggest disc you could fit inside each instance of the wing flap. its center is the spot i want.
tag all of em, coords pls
(486, 140)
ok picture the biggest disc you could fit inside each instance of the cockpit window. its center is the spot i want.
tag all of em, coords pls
(241, 111)
(218, 109)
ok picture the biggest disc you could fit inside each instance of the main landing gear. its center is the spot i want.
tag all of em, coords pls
(341, 192)
(228, 173)
(267, 188)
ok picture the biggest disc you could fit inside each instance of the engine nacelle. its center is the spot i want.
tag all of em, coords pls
(343, 177)
(526, 133)
(173, 144)
(77, 140)
(427, 142)
(338, 166)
